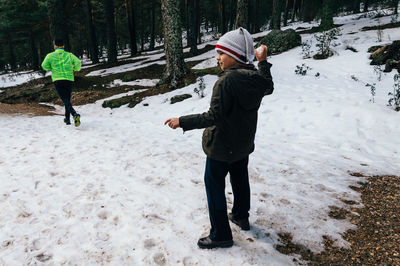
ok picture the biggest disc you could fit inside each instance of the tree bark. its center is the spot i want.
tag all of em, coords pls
(366, 2)
(153, 25)
(197, 20)
(93, 47)
(142, 28)
(191, 27)
(175, 66)
(130, 12)
(294, 9)
(242, 13)
(256, 16)
(11, 55)
(222, 16)
(58, 22)
(309, 9)
(286, 14)
(356, 6)
(276, 14)
(34, 52)
(232, 14)
(111, 35)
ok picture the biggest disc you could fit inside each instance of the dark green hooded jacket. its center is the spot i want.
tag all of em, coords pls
(231, 121)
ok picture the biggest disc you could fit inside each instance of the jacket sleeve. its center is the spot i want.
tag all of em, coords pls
(264, 69)
(76, 63)
(46, 64)
(209, 118)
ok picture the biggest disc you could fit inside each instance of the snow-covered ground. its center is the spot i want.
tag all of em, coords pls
(123, 189)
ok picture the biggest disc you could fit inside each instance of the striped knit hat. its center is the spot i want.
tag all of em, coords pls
(238, 44)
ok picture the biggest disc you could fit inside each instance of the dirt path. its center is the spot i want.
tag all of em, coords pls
(32, 109)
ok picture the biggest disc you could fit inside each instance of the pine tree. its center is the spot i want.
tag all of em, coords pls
(92, 40)
(191, 27)
(130, 13)
(356, 6)
(111, 35)
(153, 25)
(366, 2)
(242, 13)
(58, 21)
(327, 15)
(276, 15)
(175, 66)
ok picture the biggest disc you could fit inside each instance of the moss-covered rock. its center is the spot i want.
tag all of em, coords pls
(115, 103)
(280, 41)
(179, 98)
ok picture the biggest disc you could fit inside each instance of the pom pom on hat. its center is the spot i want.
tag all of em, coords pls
(238, 44)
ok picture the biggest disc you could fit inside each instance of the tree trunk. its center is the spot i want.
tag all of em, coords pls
(396, 6)
(294, 10)
(242, 13)
(191, 27)
(58, 21)
(356, 6)
(366, 2)
(175, 66)
(34, 54)
(327, 15)
(249, 25)
(130, 13)
(2, 61)
(309, 9)
(232, 14)
(153, 24)
(142, 28)
(256, 16)
(197, 20)
(286, 14)
(222, 16)
(11, 55)
(93, 47)
(111, 35)
(276, 14)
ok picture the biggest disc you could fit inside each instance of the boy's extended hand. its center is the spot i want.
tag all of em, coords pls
(172, 122)
(261, 53)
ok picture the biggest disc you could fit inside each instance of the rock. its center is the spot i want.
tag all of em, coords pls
(280, 41)
(390, 64)
(179, 98)
(385, 53)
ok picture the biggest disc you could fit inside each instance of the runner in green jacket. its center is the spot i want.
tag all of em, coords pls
(62, 65)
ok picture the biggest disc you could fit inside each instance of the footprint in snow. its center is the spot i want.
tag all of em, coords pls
(159, 259)
(149, 243)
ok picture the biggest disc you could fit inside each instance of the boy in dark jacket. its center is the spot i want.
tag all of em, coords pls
(230, 124)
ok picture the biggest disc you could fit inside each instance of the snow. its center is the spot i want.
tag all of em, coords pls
(123, 189)
(137, 82)
(9, 80)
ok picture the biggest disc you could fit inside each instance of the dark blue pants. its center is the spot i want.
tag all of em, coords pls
(64, 90)
(214, 180)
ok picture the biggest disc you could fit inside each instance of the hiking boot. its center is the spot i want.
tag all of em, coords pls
(242, 223)
(67, 121)
(208, 243)
(77, 120)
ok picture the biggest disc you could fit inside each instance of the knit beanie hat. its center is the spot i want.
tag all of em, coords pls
(59, 42)
(238, 44)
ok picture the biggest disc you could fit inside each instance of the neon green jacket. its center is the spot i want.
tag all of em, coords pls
(62, 65)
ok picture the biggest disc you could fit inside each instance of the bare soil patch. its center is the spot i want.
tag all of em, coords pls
(376, 241)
